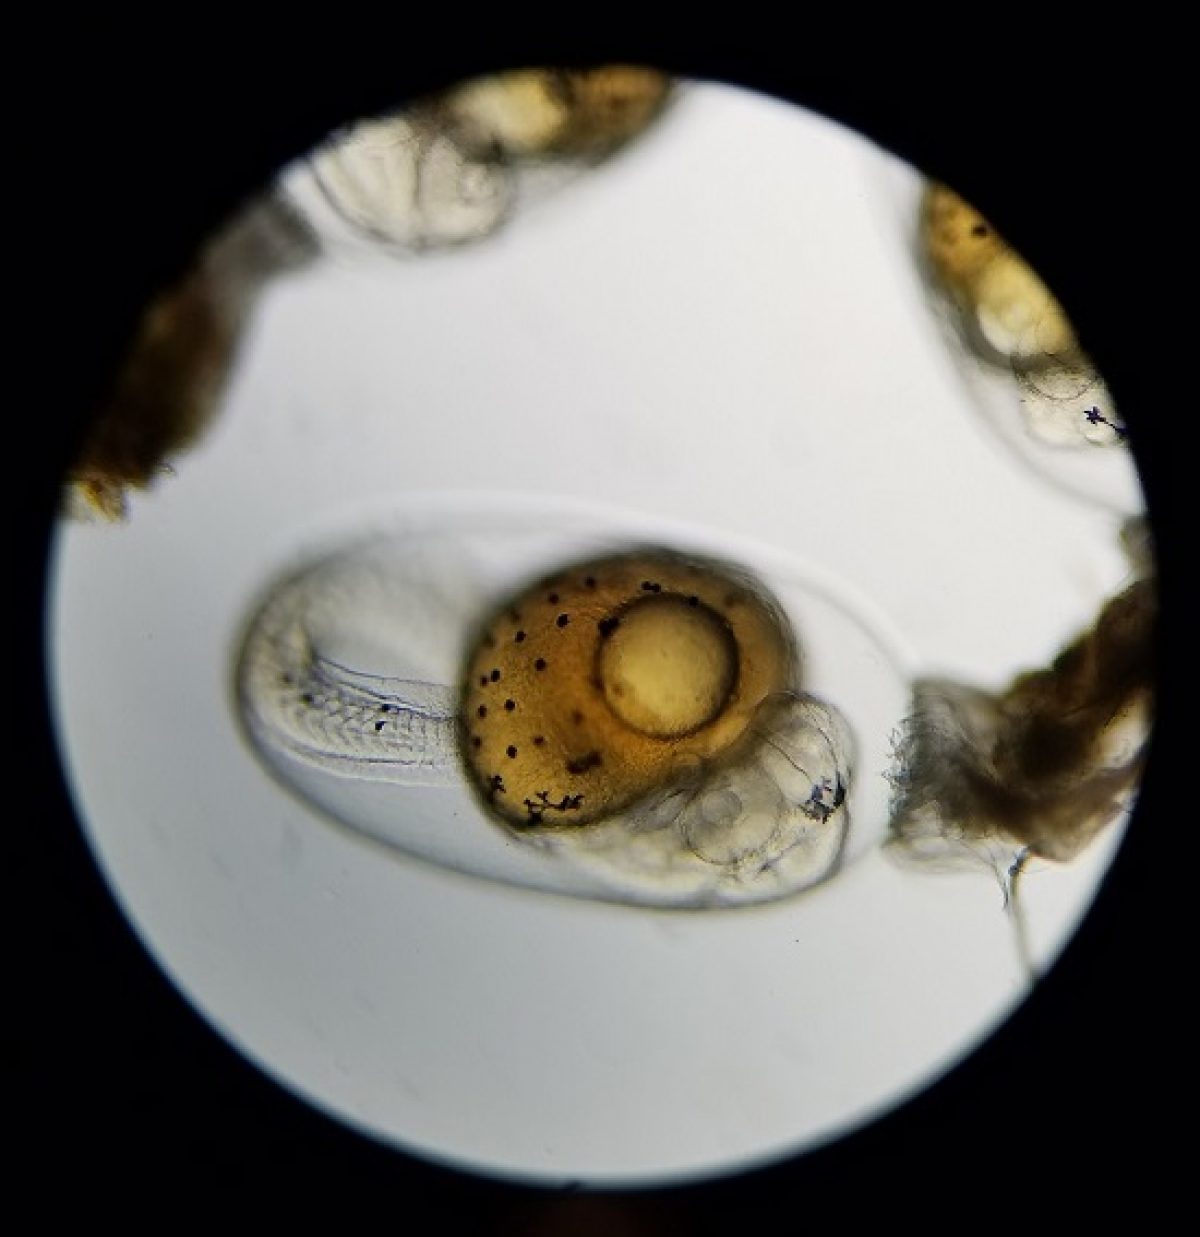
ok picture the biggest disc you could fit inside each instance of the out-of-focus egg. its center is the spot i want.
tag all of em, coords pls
(1010, 306)
(565, 112)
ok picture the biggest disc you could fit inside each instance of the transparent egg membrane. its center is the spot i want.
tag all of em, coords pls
(638, 724)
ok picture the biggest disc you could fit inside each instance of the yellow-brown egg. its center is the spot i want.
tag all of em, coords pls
(573, 112)
(605, 681)
(1014, 310)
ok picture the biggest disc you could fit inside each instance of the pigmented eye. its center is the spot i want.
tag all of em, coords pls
(647, 725)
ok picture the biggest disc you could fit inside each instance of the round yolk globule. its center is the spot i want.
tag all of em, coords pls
(599, 684)
(668, 666)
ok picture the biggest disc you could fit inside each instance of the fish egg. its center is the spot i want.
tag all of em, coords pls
(553, 700)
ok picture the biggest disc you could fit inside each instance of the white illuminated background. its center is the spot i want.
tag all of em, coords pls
(721, 328)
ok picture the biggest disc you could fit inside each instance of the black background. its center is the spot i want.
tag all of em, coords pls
(131, 143)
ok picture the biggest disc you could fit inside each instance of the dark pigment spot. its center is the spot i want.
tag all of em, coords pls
(568, 803)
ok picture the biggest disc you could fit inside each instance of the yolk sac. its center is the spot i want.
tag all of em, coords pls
(629, 669)
(1008, 310)
(634, 726)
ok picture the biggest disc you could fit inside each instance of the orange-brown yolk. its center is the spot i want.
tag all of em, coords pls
(598, 685)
